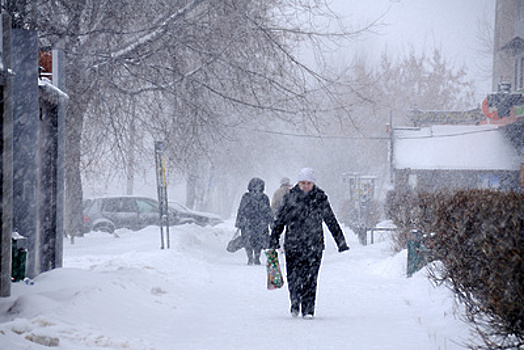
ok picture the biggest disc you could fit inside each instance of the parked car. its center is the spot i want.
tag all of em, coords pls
(132, 212)
(198, 217)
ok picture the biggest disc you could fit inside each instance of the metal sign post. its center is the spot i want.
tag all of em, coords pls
(162, 194)
(361, 196)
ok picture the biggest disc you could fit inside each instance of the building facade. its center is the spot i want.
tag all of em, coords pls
(508, 53)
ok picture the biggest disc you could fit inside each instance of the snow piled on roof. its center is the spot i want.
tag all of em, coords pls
(454, 147)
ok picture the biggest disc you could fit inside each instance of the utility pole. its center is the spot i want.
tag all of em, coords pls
(162, 194)
(6, 171)
(391, 149)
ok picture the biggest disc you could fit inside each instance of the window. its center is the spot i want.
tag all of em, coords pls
(519, 73)
(519, 22)
(488, 181)
(112, 205)
(412, 181)
(128, 205)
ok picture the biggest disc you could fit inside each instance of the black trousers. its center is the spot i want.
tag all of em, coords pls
(302, 274)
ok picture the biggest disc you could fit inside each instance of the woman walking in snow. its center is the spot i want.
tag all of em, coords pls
(303, 210)
(253, 219)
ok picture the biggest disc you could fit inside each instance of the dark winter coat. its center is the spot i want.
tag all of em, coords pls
(302, 214)
(254, 215)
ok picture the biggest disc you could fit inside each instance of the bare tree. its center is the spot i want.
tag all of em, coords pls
(219, 63)
(364, 98)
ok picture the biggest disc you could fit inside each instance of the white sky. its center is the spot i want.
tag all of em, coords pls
(450, 25)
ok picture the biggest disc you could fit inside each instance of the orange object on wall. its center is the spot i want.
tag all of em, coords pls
(487, 112)
(45, 60)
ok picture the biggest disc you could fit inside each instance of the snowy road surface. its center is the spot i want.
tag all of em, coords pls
(125, 293)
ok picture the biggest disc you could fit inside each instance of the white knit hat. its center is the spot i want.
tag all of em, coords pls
(307, 174)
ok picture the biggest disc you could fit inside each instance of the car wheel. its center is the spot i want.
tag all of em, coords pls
(104, 227)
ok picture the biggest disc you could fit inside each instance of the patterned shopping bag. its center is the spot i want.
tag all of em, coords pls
(274, 274)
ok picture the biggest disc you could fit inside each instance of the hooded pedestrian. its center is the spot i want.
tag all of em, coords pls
(253, 219)
(303, 211)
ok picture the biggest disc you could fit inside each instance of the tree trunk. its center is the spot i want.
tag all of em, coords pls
(73, 192)
(130, 171)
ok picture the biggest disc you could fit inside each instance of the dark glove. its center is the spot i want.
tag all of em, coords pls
(274, 247)
(273, 244)
(343, 248)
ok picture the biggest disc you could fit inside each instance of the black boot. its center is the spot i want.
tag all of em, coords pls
(256, 260)
(295, 309)
(249, 253)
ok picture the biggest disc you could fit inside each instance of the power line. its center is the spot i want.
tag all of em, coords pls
(371, 137)
(321, 136)
(446, 135)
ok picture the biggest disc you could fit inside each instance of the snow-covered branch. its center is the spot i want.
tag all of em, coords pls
(155, 34)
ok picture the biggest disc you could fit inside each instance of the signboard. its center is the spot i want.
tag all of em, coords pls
(423, 118)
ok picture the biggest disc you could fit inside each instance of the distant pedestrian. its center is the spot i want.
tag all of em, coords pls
(278, 196)
(303, 210)
(253, 219)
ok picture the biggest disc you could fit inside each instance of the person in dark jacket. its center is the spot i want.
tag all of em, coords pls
(303, 210)
(253, 219)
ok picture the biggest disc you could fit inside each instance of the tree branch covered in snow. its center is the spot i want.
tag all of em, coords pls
(157, 32)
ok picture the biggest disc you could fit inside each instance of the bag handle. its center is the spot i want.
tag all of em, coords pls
(236, 234)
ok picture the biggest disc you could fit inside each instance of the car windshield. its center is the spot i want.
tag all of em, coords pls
(178, 207)
(146, 206)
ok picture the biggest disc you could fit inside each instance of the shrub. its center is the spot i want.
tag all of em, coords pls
(401, 208)
(480, 242)
(478, 236)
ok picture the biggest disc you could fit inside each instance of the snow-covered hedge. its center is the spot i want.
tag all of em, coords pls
(401, 208)
(478, 236)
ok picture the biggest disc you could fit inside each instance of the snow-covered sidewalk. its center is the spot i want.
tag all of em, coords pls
(125, 293)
